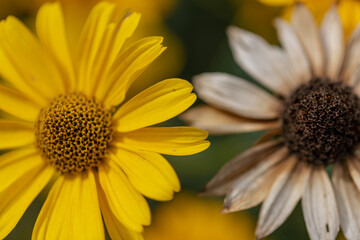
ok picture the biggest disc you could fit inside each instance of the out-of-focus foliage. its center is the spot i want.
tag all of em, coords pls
(21, 8)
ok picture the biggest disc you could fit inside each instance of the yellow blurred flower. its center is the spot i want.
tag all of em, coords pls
(191, 218)
(349, 10)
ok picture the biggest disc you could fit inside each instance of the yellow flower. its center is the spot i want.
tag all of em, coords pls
(69, 121)
(349, 10)
(202, 220)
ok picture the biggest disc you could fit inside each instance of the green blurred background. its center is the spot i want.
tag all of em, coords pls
(194, 33)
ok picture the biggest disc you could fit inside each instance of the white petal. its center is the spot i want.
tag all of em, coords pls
(319, 206)
(309, 36)
(348, 199)
(284, 195)
(294, 50)
(236, 95)
(333, 38)
(216, 121)
(267, 64)
(355, 81)
(351, 59)
(251, 188)
(238, 166)
(353, 165)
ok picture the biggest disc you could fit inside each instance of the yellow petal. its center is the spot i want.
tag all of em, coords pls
(23, 174)
(166, 140)
(114, 38)
(124, 31)
(127, 67)
(28, 67)
(127, 204)
(52, 214)
(90, 40)
(51, 31)
(16, 164)
(104, 34)
(350, 16)
(15, 133)
(18, 105)
(116, 229)
(156, 104)
(71, 211)
(149, 172)
(11, 74)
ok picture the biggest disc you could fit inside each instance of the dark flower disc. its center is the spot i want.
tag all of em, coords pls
(321, 121)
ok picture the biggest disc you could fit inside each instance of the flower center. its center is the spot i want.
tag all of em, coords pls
(73, 132)
(321, 122)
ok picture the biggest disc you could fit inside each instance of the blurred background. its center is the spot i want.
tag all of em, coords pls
(194, 32)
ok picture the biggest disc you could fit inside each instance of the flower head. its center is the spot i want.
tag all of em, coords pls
(313, 118)
(67, 119)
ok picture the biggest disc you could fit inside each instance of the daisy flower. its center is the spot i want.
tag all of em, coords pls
(313, 119)
(67, 121)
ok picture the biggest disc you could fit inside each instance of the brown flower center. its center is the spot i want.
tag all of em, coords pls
(73, 132)
(321, 122)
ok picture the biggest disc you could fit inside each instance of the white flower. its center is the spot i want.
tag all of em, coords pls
(314, 121)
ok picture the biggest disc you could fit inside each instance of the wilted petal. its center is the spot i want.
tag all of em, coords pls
(216, 121)
(284, 195)
(353, 165)
(348, 199)
(267, 64)
(319, 206)
(219, 184)
(251, 188)
(236, 95)
(294, 50)
(351, 59)
(309, 36)
(333, 38)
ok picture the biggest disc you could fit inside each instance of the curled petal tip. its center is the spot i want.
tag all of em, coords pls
(203, 192)
(225, 210)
